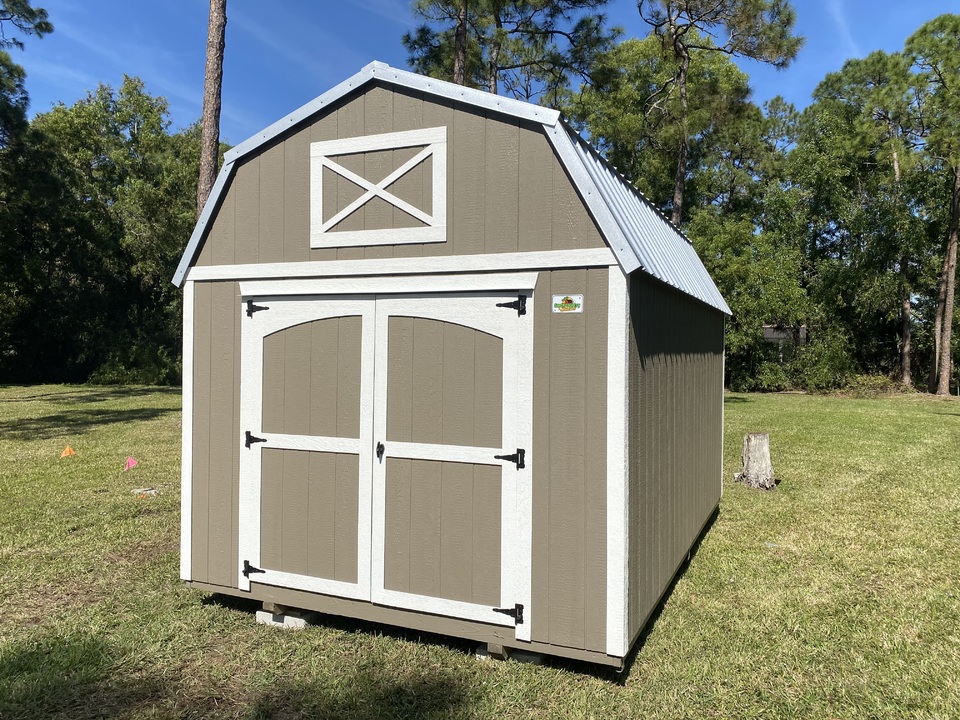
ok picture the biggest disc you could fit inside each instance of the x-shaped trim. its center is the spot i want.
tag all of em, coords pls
(378, 189)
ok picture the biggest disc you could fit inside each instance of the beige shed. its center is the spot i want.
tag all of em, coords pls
(444, 369)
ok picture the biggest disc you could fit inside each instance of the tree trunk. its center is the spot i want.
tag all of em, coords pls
(460, 46)
(757, 468)
(680, 179)
(906, 374)
(946, 332)
(212, 85)
(494, 65)
(937, 328)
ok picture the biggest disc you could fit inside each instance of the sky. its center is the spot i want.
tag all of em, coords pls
(282, 54)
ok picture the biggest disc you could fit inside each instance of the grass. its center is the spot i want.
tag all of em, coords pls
(836, 596)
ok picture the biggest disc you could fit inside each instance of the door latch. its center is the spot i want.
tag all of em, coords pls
(516, 457)
(380, 450)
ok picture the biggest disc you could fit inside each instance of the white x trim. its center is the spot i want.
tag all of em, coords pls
(378, 190)
(434, 142)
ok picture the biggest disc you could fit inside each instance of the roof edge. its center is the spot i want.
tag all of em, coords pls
(200, 228)
(381, 71)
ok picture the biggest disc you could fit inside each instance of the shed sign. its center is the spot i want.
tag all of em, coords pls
(568, 303)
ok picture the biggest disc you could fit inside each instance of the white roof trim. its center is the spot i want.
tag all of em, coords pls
(379, 70)
(201, 226)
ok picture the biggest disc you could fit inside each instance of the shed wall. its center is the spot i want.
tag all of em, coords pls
(506, 190)
(568, 454)
(675, 434)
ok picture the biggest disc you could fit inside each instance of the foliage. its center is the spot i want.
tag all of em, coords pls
(101, 204)
(857, 558)
(528, 48)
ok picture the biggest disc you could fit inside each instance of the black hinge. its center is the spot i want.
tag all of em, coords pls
(248, 569)
(251, 308)
(516, 612)
(516, 457)
(251, 439)
(520, 304)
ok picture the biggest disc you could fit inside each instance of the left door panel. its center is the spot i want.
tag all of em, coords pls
(304, 471)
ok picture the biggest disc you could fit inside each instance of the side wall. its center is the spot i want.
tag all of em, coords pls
(506, 189)
(568, 456)
(675, 434)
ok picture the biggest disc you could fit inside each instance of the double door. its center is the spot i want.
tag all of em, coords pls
(385, 450)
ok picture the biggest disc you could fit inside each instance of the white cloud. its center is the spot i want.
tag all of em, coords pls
(837, 11)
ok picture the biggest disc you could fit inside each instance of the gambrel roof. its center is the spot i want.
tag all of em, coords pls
(640, 237)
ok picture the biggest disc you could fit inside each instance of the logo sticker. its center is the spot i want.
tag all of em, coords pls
(568, 303)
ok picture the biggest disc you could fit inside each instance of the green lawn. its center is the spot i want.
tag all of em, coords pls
(837, 596)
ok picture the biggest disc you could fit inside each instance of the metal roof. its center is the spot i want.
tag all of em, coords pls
(639, 235)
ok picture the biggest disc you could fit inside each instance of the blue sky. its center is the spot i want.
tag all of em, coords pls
(282, 54)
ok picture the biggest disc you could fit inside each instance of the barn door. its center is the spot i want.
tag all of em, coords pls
(305, 464)
(450, 457)
(386, 451)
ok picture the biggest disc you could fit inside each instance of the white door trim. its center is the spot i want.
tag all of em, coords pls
(254, 329)
(515, 562)
(481, 263)
(390, 284)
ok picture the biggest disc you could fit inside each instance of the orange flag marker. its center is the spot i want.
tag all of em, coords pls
(67, 452)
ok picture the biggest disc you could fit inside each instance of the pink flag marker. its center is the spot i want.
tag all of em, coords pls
(130, 464)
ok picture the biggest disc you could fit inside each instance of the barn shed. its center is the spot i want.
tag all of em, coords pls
(444, 369)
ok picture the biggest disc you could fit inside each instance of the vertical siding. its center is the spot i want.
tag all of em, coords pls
(569, 462)
(216, 432)
(675, 404)
(506, 189)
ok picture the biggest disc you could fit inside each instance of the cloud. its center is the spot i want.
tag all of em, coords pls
(397, 11)
(297, 33)
(837, 11)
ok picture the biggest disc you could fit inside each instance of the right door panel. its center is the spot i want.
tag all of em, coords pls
(444, 408)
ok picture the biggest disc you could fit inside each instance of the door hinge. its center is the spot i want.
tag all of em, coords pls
(516, 612)
(520, 305)
(516, 457)
(251, 308)
(249, 569)
(251, 439)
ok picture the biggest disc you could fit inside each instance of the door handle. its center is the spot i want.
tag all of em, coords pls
(380, 450)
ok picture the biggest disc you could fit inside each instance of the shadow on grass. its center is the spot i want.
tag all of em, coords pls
(75, 422)
(736, 399)
(352, 625)
(368, 693)
(81, 676)
(68, 677)
(658, 610)
(78, 394)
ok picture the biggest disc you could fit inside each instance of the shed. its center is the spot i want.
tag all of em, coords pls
(443, 368)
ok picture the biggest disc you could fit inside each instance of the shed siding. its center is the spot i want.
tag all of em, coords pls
(506, 189)
(569, 453)
(216, 432)
(675, 443)
(569, 462)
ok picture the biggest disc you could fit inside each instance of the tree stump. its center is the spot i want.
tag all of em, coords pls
(757, 469)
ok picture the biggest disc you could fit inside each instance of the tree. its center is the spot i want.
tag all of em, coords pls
(757, 29)
(935, 51)
(212, 86)
(529, 48)
(882, 128)
(103, 197)
(20, 15)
